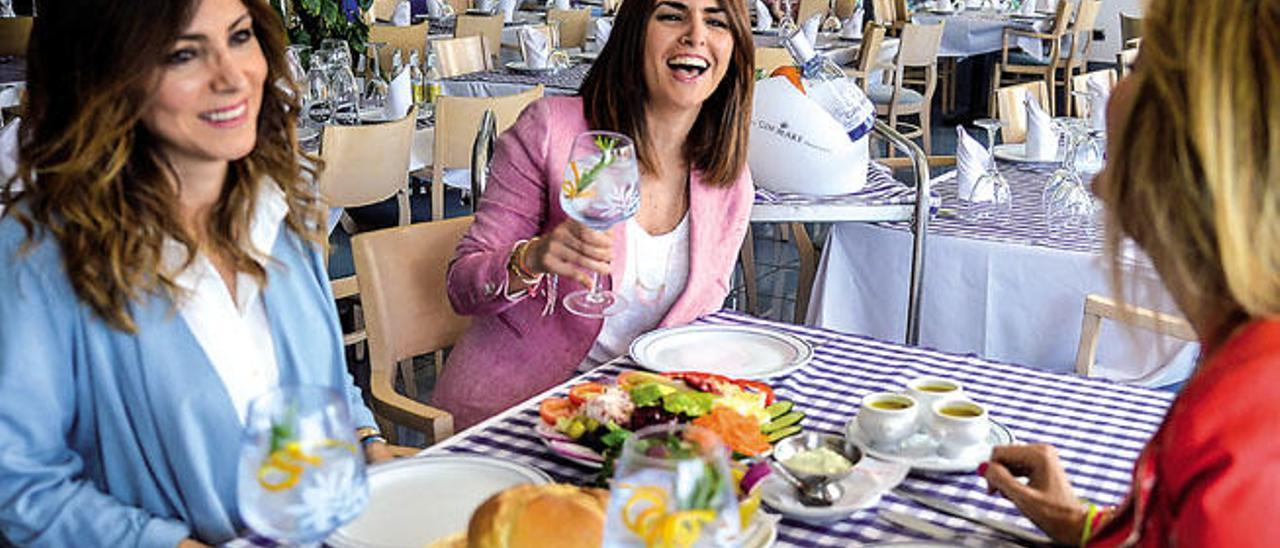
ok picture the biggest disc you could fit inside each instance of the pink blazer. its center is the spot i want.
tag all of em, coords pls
(512, 350)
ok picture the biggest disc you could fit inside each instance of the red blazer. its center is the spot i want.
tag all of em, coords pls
(1211, 474)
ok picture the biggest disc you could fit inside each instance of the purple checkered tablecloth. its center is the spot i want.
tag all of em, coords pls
(881, 189)
(1098, 427)
(569, 79)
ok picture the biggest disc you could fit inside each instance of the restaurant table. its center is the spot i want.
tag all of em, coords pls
(501, 81)
(1099, 427)
(976, 32)
(13, 75)
(1008, 289)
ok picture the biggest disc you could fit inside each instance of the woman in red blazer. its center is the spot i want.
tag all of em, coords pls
(1194, 179)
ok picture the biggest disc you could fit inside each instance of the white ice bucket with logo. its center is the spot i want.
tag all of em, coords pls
(797, 147)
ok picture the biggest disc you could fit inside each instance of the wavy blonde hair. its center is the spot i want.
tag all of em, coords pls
(1195, 178)
(92, 176)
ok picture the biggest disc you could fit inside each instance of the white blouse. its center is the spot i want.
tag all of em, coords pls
(656, 273)
(234, 334)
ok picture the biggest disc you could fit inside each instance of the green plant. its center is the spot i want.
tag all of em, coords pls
(312, 21)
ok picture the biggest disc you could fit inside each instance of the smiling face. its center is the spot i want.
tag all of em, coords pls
(687, 50)
(206, 105)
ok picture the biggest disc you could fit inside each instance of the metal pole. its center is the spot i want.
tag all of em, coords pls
(919, 226)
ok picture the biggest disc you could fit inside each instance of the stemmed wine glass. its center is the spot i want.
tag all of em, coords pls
(319, 104)
(672, 487)
(301, 474)
(601, 188)
(1091, 150)
(990, 196)
(376, 88)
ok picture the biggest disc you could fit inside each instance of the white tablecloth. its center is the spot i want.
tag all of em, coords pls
(989, 294)
(968, 34)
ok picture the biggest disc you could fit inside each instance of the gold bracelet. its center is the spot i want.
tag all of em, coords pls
(516, 264)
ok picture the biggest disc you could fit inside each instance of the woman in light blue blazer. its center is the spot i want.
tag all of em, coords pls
(159, 267)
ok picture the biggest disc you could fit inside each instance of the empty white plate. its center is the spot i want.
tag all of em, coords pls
(413, 502)
(731, 350)
(1017, 152)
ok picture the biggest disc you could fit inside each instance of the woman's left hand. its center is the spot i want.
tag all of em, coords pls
(377, 452)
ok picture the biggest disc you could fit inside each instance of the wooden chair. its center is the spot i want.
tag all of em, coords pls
(459, 6)
(488, 27)
(844, 9)
(402, 273)
(1097, 307)
(365, 165)
(918, 49)
(1013, 112)
(1125, 60)
(573, 26)
(872, 39)
(458, 56)
(1130, 29)
(890, 14)
(808, 8)
(1021, 65)
(457, 119)
(15, 32)
(1081, 44)
(405, 39)
(383, 10)
(1081, 82)
(768, 59)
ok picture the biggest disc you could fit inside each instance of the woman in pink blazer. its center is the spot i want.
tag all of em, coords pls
(676, 76)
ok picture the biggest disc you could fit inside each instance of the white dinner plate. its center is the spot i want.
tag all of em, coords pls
(1017, 152)
(736, 351)
(414, 501)
(520, 67)
(920, 451)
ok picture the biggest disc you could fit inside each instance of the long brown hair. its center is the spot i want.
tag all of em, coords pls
(1194, 177)
(614, 94)
(91, 174)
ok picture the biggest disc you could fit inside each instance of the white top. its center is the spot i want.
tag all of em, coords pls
(656, 273)
(234, 334)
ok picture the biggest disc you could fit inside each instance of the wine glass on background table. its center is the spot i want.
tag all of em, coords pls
(672, 487)
(1090, 154)
(301, 473)
(601, 188)
(990, 197)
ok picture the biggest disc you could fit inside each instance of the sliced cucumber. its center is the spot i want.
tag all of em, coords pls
(779, 408)
(784, 433)
(782, 422)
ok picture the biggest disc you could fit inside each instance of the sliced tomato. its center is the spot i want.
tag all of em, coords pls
(581, 393)
(554, 409)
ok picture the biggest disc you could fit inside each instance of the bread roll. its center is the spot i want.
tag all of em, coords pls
(525, 516)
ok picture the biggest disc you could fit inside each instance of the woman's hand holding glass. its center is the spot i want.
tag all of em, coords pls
(1047, 498)
(571, 250)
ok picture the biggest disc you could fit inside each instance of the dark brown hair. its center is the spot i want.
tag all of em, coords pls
(614, 94)
(91, 174)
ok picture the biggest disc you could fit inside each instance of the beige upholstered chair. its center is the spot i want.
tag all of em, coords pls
(1125, 60)
(405, 39)
(872, 39)
(1013, 112)
(808, 8)
(402, 274)
(1016, 65)
(384, 10)
(365, 165)
(14, 34)
(1097, 307)
(1081, 82)
(768, 59)
(573, 26)
(457, 119)
(844, 9)
(1130, 29)
(488, 27)
(459, 6)
(458, 56)
(918, 50)
(891, 14)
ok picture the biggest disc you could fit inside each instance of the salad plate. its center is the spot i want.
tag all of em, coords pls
(741, 351)
(920, 451)
(400, 513)
(1017, 152)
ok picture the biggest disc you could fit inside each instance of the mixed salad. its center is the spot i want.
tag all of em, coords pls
(592, 422)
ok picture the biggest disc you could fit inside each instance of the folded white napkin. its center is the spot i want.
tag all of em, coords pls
(9, 150)
(971, 162)
(1099, 94)
(403, 15)
(851, 28)
(603, 26)
(536, 46)
(1028, 7)
(508, 8)
(810, 29)
(399, 96)
(764, 19)
(559, 4)
(1041, 144)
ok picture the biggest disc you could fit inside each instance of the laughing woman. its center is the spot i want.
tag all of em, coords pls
(160, 267)
(676, 77)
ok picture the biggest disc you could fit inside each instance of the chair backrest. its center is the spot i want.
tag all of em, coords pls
(405, 39)
(883, 12)
(872, 39)
(808, 8)
(1130, 28)
(1061, 18)
(844, 9)
(457, 119)
(1081, 82)
(488, 27)
(919, 45)
(901, 13)
(384, 10)
(573, 26)
(1013, 113)
(457, 56)
(15, 32)
(402, 274)
(1082, 29)
(459, 6)
(365, 164)
(768, 59)
(1125, 60)
(1097, 307)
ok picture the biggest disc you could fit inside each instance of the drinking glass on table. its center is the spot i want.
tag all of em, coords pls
(376, 88)
(672, 487)
(990, 196)
(301, 474)
(318, 105)
(601, 188)
(1068, 204)
(1090, 153)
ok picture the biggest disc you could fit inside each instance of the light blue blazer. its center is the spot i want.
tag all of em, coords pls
(113, 439)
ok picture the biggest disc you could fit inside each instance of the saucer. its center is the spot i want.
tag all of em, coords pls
(920, 450)
(862, 489)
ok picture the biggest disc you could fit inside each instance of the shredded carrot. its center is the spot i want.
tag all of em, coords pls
(739, 432)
